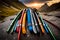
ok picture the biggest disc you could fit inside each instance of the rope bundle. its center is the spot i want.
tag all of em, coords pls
(29, 19)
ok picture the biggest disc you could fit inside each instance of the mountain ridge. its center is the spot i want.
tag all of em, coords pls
(53, 7)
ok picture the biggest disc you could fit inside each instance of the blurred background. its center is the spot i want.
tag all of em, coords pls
(10, 7)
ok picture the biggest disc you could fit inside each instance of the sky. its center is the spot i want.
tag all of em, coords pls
(38, 3)
(30, 1)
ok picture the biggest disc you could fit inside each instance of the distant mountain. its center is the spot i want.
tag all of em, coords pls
(44, 7)
(10, 7)
(13, 3)
(53, 7)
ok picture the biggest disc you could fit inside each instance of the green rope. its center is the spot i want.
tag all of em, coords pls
(48, 28)
(12, 24)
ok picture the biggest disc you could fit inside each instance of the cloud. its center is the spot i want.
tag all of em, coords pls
(26, 1)
(29, 1)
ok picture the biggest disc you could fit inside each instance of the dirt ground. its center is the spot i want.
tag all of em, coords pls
(5, 24)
